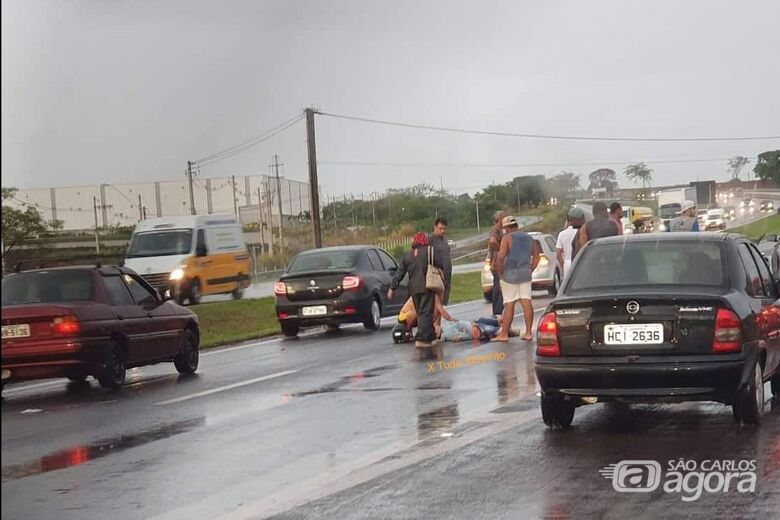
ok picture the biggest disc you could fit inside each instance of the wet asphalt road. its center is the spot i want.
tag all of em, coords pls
(348, 425)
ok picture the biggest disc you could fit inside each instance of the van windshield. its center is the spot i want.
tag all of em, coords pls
(669, 210)
(161, 243)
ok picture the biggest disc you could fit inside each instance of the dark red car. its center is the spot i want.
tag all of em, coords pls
(79, 321)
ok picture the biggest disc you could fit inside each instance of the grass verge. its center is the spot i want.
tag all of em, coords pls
(222, 323)
(760, 227)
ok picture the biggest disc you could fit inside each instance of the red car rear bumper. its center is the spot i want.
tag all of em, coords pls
(46, 359)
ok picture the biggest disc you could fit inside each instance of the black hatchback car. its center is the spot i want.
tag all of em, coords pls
(661, 318)
(335, 285)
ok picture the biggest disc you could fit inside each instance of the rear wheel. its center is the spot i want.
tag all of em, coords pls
(186, 361)
(290, 328)
(557, 411)
(238, 292)
(194, 292)
(112, 374)
(748, 405)
(374, 317)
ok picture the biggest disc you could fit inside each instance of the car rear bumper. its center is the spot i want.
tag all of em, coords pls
(687, 379)
(46, 359)
(348, 308)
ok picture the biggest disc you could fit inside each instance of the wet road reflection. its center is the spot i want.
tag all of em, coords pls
(76, 455)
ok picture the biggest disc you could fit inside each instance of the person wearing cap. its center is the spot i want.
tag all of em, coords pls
(517, 259)
(615, 214)
(687, 220)
(565, 245)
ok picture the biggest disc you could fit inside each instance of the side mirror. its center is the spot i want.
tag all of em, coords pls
(164, 294)
(201, 251)
(392, 269)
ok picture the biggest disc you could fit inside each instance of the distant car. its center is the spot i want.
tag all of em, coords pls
(79, 321)
(547, 275)
(715, 220)
(451, 243)
(730, 212)
(701, 216)
(767, 206)
(336, 285)
(661, 318)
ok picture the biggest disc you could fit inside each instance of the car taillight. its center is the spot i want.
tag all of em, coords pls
(547, 336)
(350, 283)
(280, 288)
(728, 332)
(65, 326)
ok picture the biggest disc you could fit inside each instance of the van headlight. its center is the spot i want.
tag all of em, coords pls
(177, 274)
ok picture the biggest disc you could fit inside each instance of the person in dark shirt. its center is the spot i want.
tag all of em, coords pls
(615, 215)
(438, 240)
(494, 244)
(415, 264)
(601, 226)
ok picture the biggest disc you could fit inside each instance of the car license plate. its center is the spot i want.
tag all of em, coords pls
(634, 334)
(16, 331)
(316, 310)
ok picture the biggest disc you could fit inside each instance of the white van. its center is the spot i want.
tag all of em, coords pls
(191, 256)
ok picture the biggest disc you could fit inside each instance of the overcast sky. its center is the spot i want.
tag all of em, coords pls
(112, 91)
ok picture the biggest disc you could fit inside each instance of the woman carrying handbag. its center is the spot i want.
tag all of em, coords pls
(425, 280)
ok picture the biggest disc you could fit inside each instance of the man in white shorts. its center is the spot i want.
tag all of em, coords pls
(517, 259)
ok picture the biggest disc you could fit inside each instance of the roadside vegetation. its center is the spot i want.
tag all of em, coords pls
(222, 323)
(754, 230)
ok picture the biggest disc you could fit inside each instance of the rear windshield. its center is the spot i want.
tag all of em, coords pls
(47, 287)
(666, 263)
(323, 261)
(669, 210)
(161, 243)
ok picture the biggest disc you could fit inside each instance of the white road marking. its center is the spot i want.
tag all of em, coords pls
(227, 387)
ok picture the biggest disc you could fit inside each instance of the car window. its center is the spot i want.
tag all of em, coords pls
(201, 244)
(766, 275)
(387, 260)
(47, 287)
(754, 285)
(323, 261)
(618, 265)
(118, 293)
(373, 258)
(142, 296)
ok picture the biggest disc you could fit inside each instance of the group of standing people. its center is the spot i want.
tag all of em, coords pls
(426, 251)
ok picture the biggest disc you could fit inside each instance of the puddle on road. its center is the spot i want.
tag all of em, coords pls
(76, 455)
(441, 419)
(340, 383)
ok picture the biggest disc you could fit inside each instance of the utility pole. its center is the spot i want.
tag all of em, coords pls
(517, 188)
(235, 202)
(189, 181)
(140, 208)
(260, 216)
(143, 213)
(314, 183)
(268, 200)
(279, 198)
(476, 200)
(97, 238)
(373, 208)
(335, 215)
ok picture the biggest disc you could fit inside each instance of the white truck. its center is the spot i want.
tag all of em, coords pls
(670, 203)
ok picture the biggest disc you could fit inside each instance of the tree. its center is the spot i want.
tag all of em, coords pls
(736, 164)
(603, 178)
(563, 185)
(639, 172)
(767, 166)
(18, 224)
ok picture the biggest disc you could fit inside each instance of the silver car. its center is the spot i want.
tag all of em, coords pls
(547, 275)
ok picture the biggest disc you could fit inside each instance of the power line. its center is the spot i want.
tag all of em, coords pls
(543, 136)
(513, 165)
(233, 150)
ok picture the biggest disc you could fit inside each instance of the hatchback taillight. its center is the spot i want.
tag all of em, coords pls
(280, 288)
(351, 283)
(547, 336)
(728, 332)
(65, 326)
